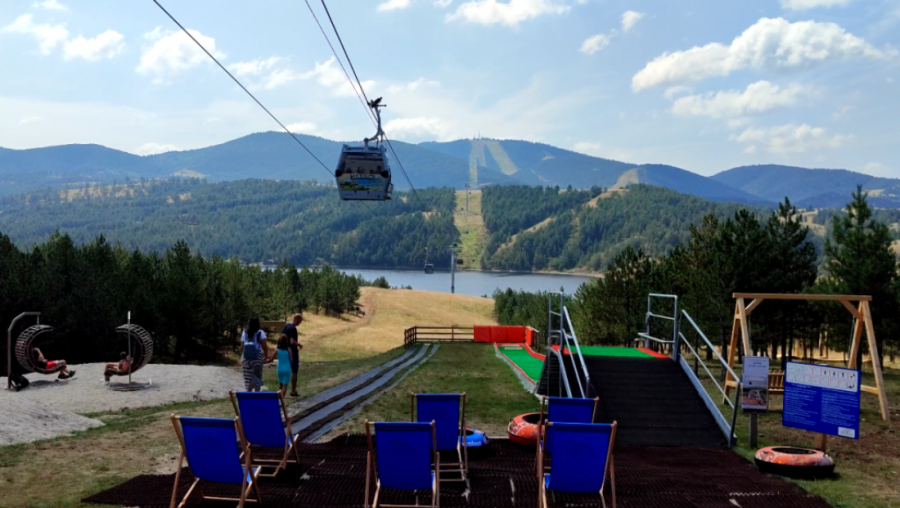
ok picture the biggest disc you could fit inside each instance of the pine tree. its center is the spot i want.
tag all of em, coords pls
(859, 261)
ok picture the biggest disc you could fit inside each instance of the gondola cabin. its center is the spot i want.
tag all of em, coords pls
(429, 268)
(364, 173)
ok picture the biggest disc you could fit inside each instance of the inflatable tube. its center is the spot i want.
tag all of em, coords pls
(476, 438)
(794, 462)
(523, 429)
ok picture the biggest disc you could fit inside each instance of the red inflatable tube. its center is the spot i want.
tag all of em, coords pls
(794, 462)
(523, 429)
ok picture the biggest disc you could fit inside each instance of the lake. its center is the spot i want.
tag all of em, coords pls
(474, 283)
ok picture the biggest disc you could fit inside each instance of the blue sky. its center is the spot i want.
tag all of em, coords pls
(702, 85)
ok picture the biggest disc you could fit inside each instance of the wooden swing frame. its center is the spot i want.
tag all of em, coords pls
(858, 305)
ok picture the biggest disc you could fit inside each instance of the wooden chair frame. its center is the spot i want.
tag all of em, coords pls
(462, 446)
(860, 310)
(371, 469)
(246, 485)
(290, 442)
(611, 469)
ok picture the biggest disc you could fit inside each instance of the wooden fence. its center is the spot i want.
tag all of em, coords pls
(438, 334)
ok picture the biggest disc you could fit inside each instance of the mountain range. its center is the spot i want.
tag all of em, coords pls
(473, 162)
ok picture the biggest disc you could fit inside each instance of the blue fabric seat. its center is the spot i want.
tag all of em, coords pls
(582, 460)
(566, 410)
(261, 416)
(448, 412)
(214, 449)
(402, 459)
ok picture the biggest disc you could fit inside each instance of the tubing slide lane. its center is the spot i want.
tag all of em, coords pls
(327, 409)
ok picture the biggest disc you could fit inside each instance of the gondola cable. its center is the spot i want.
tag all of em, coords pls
(260, 104)
(359, 83)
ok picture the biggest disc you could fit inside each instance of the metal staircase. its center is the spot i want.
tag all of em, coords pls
(565, 373)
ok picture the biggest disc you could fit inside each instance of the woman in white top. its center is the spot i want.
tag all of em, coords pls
(256, 351)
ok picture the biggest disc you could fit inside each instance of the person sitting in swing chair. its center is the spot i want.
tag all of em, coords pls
(45, 364)
(118, 369)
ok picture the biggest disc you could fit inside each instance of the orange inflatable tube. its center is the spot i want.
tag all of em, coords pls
(794, 462)
(523, 429)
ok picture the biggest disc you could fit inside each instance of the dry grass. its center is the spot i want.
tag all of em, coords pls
(388, 313)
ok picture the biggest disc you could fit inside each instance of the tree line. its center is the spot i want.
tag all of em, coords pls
(253, 220)
(191, 304)
(741, 253)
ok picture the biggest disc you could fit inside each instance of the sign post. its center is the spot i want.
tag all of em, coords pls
(822, 399)
(755, 396)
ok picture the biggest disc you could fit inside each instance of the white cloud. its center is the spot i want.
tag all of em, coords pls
(594, 44)
(757, 98)
(629, 18)
(511, 13)
(769, 43)
(302, 127)
(391, 5)
(50, 5)
(790, 138)
(48, 36)
(108, 44)
(330, 76)
(413, 85)
(254, 67)
(419, 127)
(154, 148)
(802, 5)
(169, 53)
(602, 151)
(30, 119)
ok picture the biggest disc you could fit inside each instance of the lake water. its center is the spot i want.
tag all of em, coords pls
(474, 283)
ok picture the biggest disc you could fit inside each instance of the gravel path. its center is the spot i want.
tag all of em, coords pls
(23, 421)
(49, 408)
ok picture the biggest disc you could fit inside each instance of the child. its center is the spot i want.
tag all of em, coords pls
(284, 364)
(123, 367)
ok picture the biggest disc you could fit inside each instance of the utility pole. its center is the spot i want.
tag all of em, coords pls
(452, 250)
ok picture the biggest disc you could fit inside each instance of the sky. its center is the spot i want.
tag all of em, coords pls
(702, 85)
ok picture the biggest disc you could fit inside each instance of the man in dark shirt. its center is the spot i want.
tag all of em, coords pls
(290, 330)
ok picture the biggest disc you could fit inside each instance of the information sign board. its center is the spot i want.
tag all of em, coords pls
(755, 382)
(822, 399)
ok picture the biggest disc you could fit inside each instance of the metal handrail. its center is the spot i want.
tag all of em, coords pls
(562, 371)
(709, 344)
(670, 318)
(584, 369)
(703, 364)
(650, 337)
(698, 360)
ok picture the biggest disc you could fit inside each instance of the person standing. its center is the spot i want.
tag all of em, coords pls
(285, 362)
(290, 331)
(256, 351)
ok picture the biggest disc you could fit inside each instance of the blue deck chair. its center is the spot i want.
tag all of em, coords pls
(211, 448)
(450, 425)
(567, 410)
(405, 453)
(582, 460)
(261, 417)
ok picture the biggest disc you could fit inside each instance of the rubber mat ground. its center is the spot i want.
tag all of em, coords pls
(333, 474)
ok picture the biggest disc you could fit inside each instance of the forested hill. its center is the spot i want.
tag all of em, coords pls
(255, 220)
(586, 229)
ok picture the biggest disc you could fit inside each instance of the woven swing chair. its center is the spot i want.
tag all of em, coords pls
(25, 345)
(141, 348)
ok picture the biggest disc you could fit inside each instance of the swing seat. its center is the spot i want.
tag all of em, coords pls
(25, 345)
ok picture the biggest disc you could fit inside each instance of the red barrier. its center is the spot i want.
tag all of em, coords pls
(500, 334)
(529, 336)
